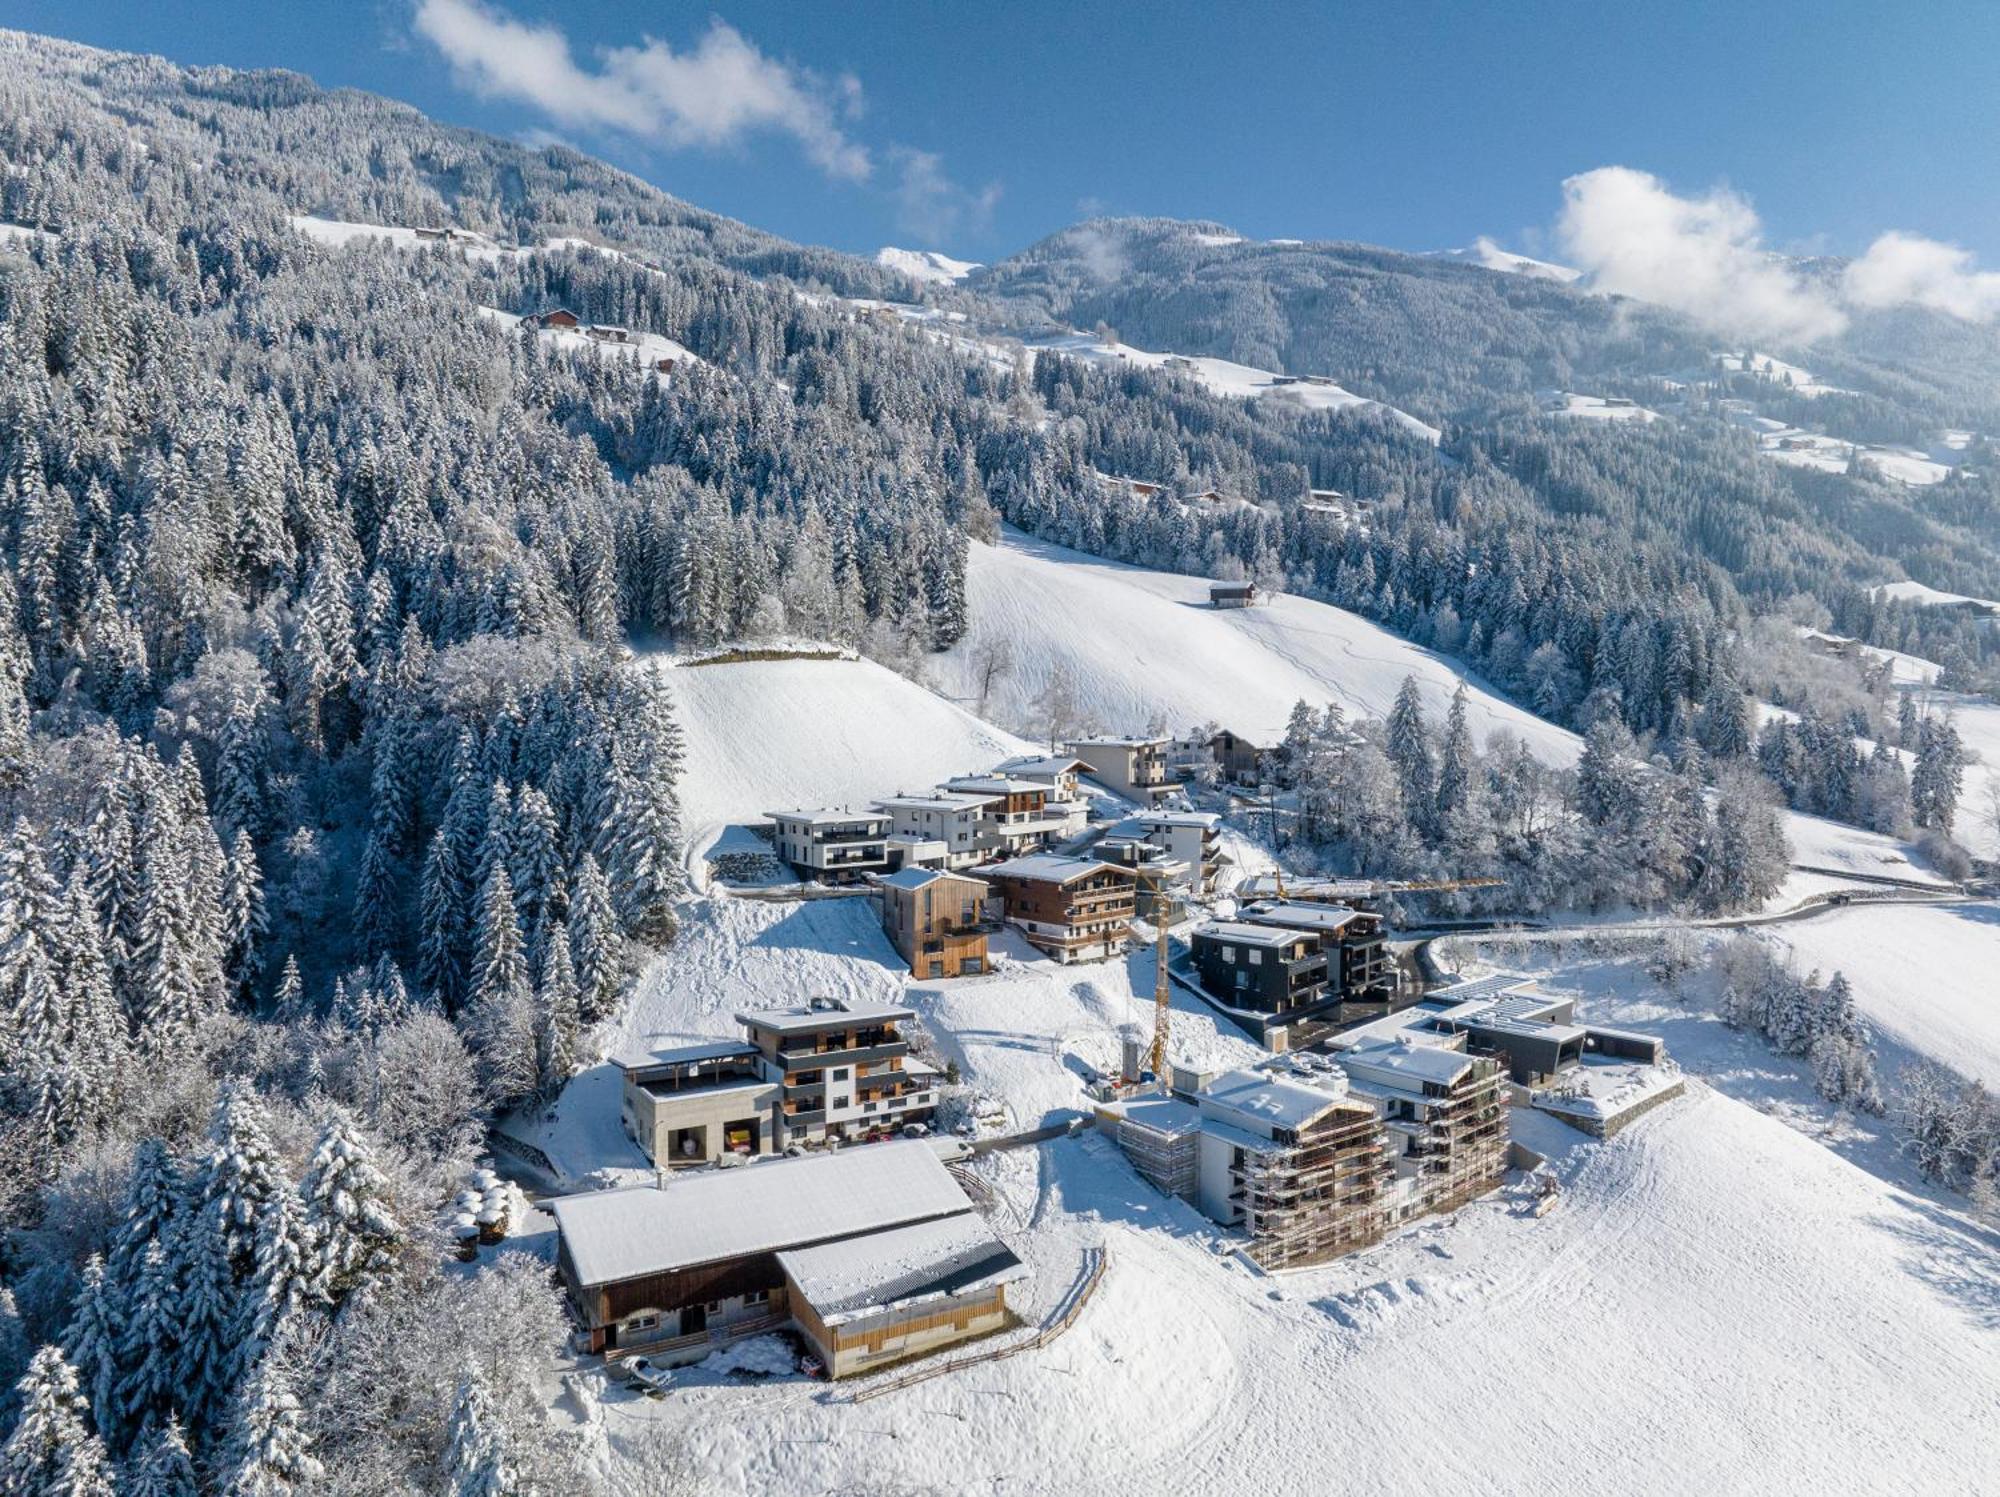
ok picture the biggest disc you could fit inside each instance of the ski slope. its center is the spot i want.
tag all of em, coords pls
(1146, 648)
(772, 735)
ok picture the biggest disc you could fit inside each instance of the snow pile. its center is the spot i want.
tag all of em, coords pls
(925, 265)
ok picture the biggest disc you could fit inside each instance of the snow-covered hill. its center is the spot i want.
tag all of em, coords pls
(1488, 255)
(1145, 647)
(925, 265)
(1236, 381)
(765, 735)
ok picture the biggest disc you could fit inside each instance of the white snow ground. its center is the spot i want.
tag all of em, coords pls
(1488, 255)
(1716, 1304)
(1924, 975)
(643, 351)
(1597, 408)
(1928, 597)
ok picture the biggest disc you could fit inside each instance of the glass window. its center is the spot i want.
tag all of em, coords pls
(1256, 957)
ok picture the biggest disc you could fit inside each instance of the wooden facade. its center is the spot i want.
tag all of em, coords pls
(877, 1339)
(939, 928)
(1091, 911)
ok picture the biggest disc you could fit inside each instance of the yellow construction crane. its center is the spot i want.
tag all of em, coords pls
(1163, 906)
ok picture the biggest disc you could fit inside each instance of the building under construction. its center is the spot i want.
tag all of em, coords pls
(1312, 1158)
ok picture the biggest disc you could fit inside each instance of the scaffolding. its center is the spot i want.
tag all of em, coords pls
(1463, 1150)
(1169, 1158)
(1315, 1193)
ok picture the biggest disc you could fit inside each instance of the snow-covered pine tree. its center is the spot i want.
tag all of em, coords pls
(352, 1231)
(288, 999)
(244, 921)
(213, 1327)
(594, 943)
(375, 902)
(268, 1452)
(477, 1462)
(90, 1341)
(53, 1452)
(1409, 750)
(149, 1342)
(442, 940)
(280, 1277)
(240, 1176)
(161, 1465)
(560, 1026)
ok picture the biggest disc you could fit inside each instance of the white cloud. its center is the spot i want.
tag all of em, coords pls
(931, 205)
(714, 94)
(1700, 255)
(1902, 269)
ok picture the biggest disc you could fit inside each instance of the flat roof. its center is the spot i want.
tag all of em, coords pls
(1050, 868)
(674, 1049)
(1417, 1062)
(1322, 917)
(1276, 1101)
(922, 878)
(940, 801)
(1168, 1115)
(943, 1258)
(1126, 742)
(997, 784)
(1206, 820)
(1498, 985)
(761, 1207)
(818, 1016)
(1248, 935)
(824, 816)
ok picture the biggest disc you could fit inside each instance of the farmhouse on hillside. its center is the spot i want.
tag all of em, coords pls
(873, 1255)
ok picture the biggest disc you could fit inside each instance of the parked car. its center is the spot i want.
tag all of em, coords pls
(649, 1375)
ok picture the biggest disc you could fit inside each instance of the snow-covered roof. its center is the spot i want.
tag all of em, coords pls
(820, 1013)
(995, 784)
(942, 802)
(1049, 868)
(1040, 764)
(1248, 935)
(913, 879)
(767, 1206)
(1319, 917)
(944, 1258)
(1208, 821)
(1269, 1101)
(1498, 985)
(1166, 1115)
(1407, 1061)
(673, 1049)
(1127, 742)
(825, 816)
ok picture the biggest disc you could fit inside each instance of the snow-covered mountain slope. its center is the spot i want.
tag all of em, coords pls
(644, 350)
(767, 735)
(1145, 646)
(925, 265)
(1929, 597)
(1236, 381)
(1484, 253)
(1922, 975)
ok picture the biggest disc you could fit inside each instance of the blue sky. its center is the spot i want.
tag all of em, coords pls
(979, 127)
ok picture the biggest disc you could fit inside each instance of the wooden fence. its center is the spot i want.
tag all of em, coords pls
(1095, 1262)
